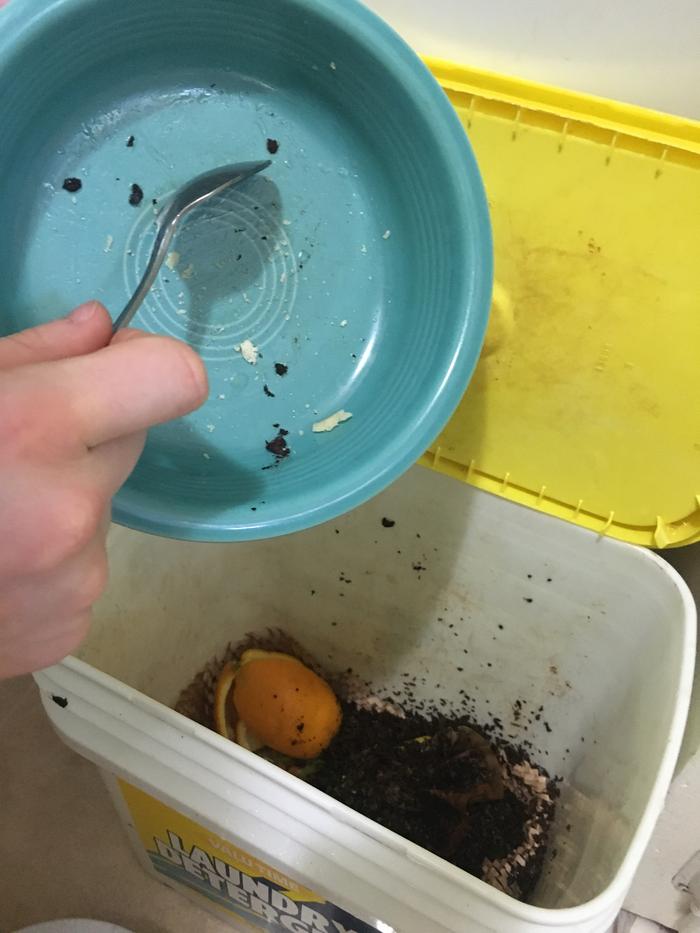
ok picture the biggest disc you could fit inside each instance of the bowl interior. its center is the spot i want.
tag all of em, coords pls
(360, 260)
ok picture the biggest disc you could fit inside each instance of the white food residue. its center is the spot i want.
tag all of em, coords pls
(248, 351)
(211, 427)
(108, 242)
(386, 234)
(363, 248)
(332, 421)
(172, 259)
(187, 272)
(343, 323)
(332, 66)
(181, 311)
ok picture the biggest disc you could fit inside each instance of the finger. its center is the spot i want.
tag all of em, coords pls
(109, 465)
(128, 333)
(128, 387)
(86, 329)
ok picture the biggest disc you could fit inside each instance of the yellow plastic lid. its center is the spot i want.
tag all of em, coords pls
(586, 401)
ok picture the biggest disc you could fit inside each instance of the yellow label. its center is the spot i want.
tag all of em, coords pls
(235, 881)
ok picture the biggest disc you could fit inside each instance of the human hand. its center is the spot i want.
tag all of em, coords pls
(73, 416)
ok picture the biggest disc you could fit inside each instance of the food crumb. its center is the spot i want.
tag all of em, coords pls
(130, 142)
(272, 146)
(136, 195)
(206, 456)
(343, 323)
(363, 248)
(188, 272)
(332, 66)
(211, 427)
(172, 259)
(386, 234)
(268, 393)
(278, 445)
(281, 369)
(248, 351)
(286, 223)
(331, 422)
(388, 522)
(72, 185)
(108, 242)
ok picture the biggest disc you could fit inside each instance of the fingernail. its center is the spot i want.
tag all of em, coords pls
(83, 313)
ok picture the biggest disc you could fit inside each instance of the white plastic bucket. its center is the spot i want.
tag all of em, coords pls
(599, 633)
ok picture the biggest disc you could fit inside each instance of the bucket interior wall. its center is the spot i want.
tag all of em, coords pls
(465, 592)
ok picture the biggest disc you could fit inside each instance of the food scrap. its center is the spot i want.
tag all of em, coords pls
(136, 195)
(438, 779)
(172, 259)
(272, 146)
(267, 391)
(248, 351)
(72, 185)
(281, 369)
(269, 699)
(332, 421)
(130, 142)
(278, 446)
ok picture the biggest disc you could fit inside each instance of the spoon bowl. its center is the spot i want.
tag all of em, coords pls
(192, 194)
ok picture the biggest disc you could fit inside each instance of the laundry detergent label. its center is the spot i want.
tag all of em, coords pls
(235, 881)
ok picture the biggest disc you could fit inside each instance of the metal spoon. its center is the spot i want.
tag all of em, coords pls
(194, 193)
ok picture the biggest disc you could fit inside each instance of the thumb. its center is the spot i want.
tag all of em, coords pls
(86, 329)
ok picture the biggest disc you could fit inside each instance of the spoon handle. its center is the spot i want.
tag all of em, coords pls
(158, 253)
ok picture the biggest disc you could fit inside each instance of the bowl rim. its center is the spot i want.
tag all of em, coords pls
(21, 19)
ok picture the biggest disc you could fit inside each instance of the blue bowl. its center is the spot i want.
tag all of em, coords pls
(361, 261)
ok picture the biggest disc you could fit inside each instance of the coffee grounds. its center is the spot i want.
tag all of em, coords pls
(278, 445)
(434, 778)
(136, 195)
(390, 768)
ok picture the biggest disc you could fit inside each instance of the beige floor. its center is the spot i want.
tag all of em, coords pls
(53, 806)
